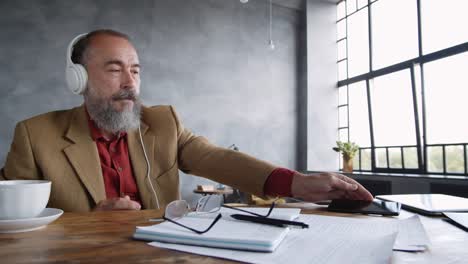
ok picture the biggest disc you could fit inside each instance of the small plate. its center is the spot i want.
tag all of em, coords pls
(29, 224)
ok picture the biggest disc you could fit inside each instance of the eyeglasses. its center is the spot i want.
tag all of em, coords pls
(179, 208)
(206, 205)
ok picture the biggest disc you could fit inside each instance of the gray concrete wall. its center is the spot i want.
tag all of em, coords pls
(208, 58)
(322, 95)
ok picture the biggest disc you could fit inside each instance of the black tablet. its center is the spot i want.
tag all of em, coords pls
(365, 207)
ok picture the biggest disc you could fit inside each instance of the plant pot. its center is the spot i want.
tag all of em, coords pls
(347, 164)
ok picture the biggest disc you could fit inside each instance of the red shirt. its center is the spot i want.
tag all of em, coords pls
(115, 164)
(118, 173)
(279, 183)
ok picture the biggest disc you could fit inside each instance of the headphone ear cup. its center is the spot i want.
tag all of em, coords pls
(83, 76)
(77, 77)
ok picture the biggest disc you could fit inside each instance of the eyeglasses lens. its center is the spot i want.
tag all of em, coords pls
(177, 209)
(210, 203)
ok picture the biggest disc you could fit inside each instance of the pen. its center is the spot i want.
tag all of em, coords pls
(268, 221)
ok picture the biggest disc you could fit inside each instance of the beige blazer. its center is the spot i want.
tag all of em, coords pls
(57, 146)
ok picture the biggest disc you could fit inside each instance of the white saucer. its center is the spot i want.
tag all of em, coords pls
(29, 224)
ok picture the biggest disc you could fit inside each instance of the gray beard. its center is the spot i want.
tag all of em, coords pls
(108, 119)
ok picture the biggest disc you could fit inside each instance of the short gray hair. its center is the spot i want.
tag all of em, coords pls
(80, 47)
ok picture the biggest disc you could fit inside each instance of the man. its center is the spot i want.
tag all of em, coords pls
(97, 155)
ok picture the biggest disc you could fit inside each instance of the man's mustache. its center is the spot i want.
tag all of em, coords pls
(125, 95)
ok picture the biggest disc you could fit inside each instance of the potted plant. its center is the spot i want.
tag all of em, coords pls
(348, 150)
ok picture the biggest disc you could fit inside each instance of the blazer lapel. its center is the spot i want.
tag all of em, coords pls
(83, 155)
(139, 164)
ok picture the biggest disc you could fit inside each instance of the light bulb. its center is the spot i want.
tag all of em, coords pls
(271, 44)
(244, 1)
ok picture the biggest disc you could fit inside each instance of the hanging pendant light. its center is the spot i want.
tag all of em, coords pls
(271, 44)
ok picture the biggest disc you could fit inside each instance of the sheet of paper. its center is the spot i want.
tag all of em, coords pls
(327, 240)
(460, 218)
(411, 235)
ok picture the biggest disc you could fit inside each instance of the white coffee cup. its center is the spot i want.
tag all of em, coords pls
(23, 198)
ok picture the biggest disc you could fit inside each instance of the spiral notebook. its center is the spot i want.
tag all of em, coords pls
(226, 233)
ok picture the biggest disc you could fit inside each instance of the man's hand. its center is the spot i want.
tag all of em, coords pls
(117, 204)
(327, 186)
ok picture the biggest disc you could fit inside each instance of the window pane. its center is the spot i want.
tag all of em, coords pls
(356, 162)
(381, 161)
(434, 159)
(351, 6)
(394, 156)
(366, 159)
(362, 3)
(358, 43)
(444, 24)
(466, 158)
(342, 70)
(343, 134)
(394, 32)
(454, 159)
(343, 116)
(341, 29)
(359, 114)
(411, 158)
(340, 10)
(445, 84)
(392, 106)
(342, 49)
(343, 95)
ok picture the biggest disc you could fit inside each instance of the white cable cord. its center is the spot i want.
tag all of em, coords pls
(148, 169)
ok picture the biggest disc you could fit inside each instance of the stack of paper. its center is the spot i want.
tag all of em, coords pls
(226, 233)
(328, 240)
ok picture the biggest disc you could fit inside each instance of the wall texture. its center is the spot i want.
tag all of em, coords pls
(322, 94)
(208, 58)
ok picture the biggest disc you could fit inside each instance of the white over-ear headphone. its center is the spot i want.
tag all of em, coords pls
(76, 74)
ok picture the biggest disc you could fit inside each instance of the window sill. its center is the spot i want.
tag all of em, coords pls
(402, 175)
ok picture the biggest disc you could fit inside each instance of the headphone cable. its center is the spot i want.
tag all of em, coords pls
(148, 169)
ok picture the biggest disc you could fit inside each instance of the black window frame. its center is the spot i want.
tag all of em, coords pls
(421, 143)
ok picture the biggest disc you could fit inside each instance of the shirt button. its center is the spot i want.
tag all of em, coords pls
(119, 168)
(112, 149)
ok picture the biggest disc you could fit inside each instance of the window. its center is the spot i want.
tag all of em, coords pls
(394, 32)
(358, 44)
(358, 115)
(392, 103)
(445, 80)
(402, 84)
(444, 24)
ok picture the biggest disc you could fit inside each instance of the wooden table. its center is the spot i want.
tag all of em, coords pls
(106, 237)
